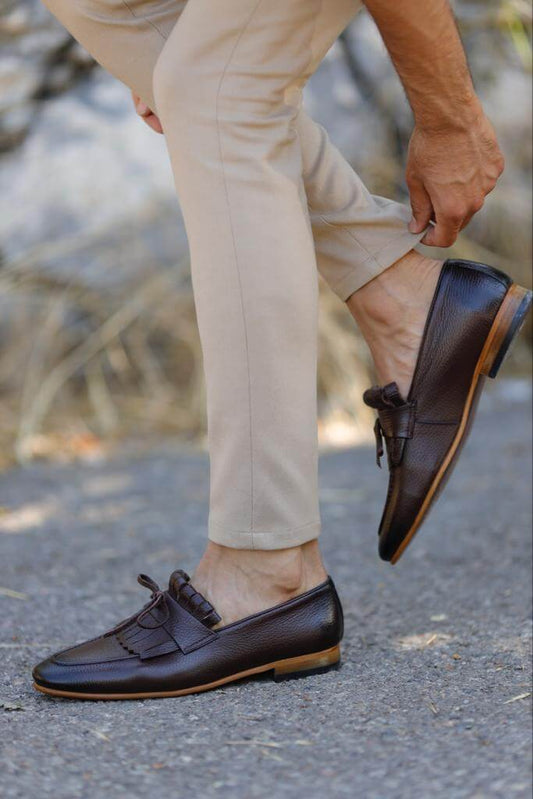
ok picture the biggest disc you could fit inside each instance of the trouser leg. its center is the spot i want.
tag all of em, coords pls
(356, 234)
(223, 87)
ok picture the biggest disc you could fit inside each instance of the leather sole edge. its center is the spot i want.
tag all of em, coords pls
(515, 306)
(303, 665)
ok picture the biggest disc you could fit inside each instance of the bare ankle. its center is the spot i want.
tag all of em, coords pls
(391, 312)
(287, 568)
(406, 283)
(241, 582)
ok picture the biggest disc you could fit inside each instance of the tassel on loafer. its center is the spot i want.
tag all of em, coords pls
(174, 647)
(476, 314)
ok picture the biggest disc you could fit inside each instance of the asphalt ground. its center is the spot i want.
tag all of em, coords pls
(433, 698)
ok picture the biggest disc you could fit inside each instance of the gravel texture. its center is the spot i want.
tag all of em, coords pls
(432, 699)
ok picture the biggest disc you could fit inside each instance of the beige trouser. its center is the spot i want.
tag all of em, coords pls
(266, 198)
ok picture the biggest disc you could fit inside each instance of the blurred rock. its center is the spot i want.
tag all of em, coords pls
(88, 173)
(38, 59)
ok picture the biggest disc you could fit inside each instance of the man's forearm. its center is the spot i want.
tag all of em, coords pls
(424, 44)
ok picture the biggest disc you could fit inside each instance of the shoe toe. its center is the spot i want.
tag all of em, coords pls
(70, 666)
(98, 650)
(390, 539)
(49, 673)
(398, 517)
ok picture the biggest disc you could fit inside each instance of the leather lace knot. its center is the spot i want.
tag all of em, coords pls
(158, 599)
(395, 421)
(378, 433)
(179, 618)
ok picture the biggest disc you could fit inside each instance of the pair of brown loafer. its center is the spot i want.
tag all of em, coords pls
(173, 646)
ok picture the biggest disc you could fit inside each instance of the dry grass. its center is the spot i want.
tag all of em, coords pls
(81, 368)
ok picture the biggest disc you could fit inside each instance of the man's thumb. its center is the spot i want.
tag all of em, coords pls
(415, 225)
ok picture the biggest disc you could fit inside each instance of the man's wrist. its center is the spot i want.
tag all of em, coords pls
(445, 113)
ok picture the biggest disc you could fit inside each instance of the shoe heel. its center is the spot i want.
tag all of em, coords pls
(305, 665)
(506, 327)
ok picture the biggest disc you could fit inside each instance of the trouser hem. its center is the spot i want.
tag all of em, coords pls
(377, 263)
(281, 539)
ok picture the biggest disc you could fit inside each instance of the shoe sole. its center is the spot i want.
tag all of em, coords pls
(507, 324)
(290, 668)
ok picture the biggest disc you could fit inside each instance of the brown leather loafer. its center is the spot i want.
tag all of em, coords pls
(170, 648)
(476, 313)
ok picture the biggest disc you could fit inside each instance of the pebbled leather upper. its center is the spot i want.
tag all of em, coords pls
(419, 430)
(171, 644)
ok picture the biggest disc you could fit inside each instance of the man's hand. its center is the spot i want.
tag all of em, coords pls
(449, 173)
(454, 158)
(146, 113)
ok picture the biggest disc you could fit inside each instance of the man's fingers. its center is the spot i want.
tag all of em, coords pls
(450, 220)
(444, 234)
(475, 207)
(421, 206)
(146, 113)
(153, 122)
(448, 224)
(140, 107)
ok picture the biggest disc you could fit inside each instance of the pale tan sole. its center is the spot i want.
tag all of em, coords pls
(502, 322)
(281, 668)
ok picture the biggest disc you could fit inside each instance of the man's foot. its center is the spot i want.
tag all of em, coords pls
(391, 312)
(175, 646)
(240, 582)
(426, 409)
